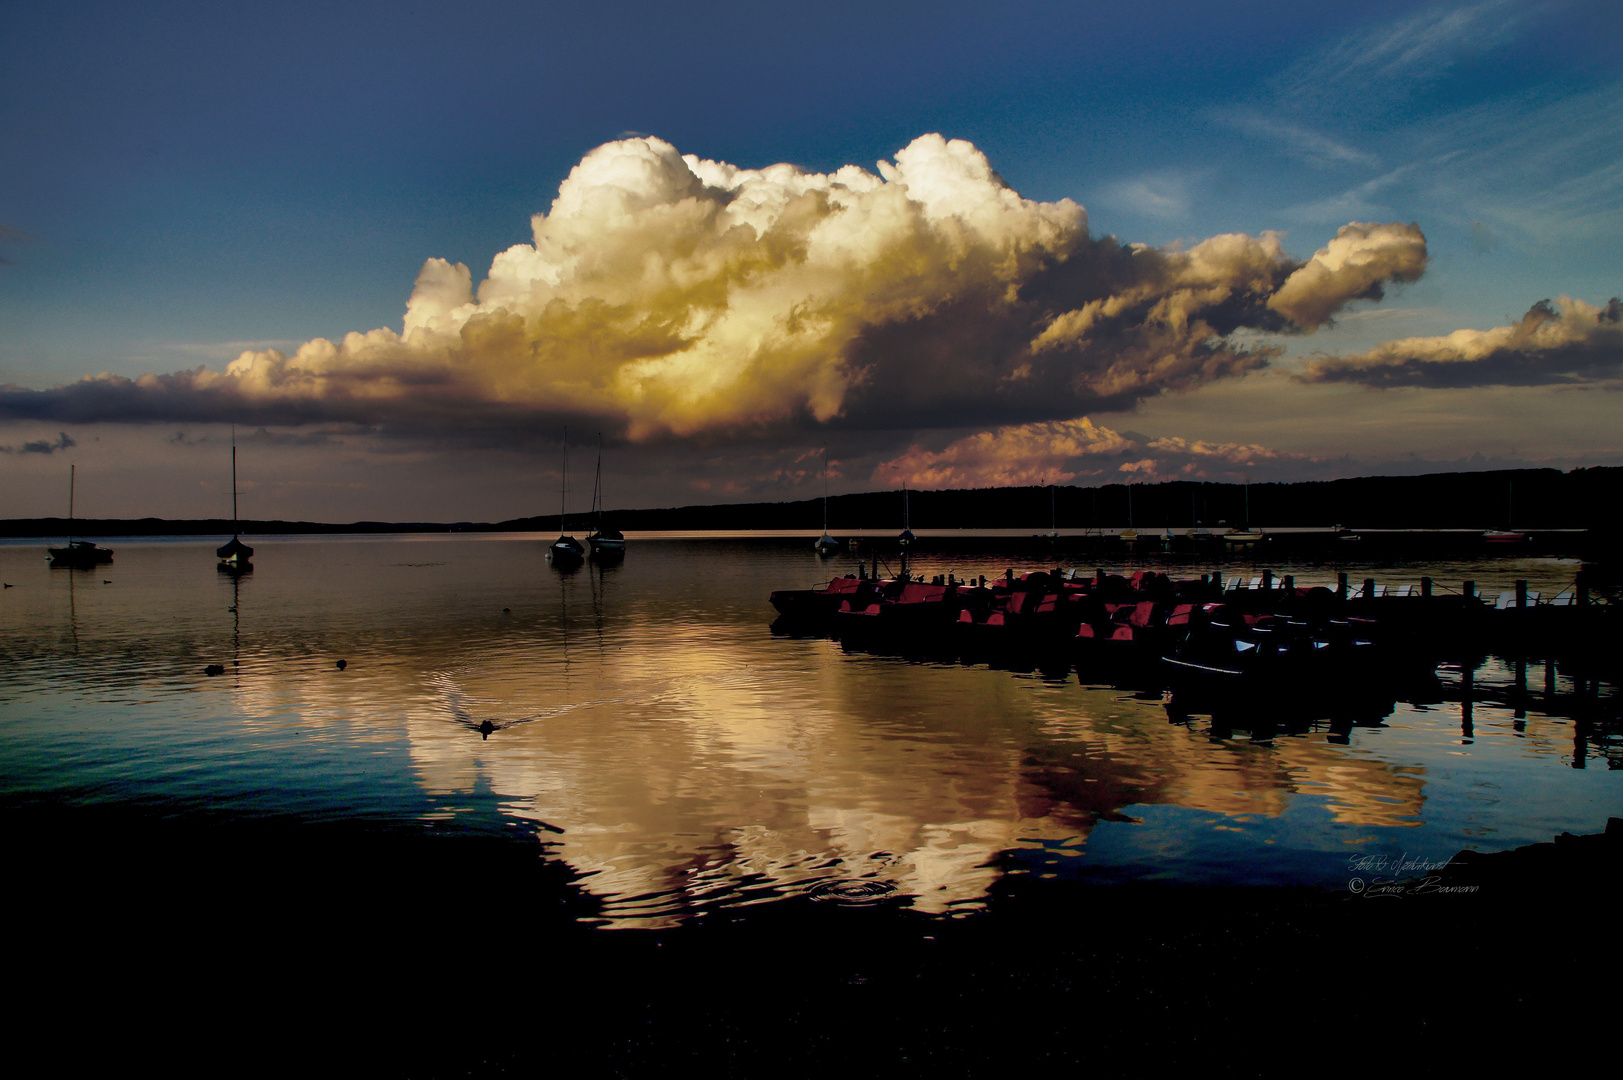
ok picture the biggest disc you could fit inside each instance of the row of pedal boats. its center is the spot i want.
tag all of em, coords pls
(1206, 645)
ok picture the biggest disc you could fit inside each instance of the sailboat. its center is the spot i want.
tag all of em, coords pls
(565, 551)
(234, 554)
(1129, 535)
(78, 554)
(826, 544)
(906, 538)
(1247, 537)
(605, 543)
(1507, 535)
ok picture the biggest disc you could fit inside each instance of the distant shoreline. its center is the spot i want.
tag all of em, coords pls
(1533, 500)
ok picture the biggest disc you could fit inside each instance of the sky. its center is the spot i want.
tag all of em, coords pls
(399, 249)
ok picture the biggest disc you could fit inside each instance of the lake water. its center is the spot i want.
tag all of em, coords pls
(673, 760)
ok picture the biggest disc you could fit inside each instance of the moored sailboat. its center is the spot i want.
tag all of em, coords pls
(607, 543)
(234, 554)
(77, 554)
(826, 544)
(565, 552)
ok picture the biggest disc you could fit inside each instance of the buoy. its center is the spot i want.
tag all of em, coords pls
(214, 669)
(486, 728)
(342, 664)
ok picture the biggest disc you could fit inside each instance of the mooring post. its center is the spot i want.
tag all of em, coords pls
(1369, 588)
(1521, 593)
(1341, 585)
(1581, 587)
(1468, 590)
(1290, 584)
(1267, 580)
(1425, 586)
(1217, 579)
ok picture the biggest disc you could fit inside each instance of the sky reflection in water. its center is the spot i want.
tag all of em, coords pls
(690, 758)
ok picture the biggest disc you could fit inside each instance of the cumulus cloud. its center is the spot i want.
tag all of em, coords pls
(1565, 342)
(668, 295)
(1060, 451)
(1356, 265)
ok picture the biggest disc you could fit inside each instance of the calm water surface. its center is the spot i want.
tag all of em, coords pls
(656, 737)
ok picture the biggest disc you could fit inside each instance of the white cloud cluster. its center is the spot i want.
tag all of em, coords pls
(670, 295)
(1568, 342)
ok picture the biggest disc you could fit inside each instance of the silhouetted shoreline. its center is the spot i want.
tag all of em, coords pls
(1533, 500)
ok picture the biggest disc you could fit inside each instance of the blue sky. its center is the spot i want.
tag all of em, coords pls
(180, 183)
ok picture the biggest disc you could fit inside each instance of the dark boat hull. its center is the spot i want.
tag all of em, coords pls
(79, 555)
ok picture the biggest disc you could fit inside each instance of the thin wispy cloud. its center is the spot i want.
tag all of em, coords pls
(1159, 195)
(1542, 169)
(1356, 202)
(1395, 60)
(1311, 146)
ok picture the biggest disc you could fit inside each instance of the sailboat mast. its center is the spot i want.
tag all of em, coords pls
(563, 483)
(597, 489)
(235, 530)
(70, 503)
(825, 491)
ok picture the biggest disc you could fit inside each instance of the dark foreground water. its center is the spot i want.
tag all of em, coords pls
(688, 840)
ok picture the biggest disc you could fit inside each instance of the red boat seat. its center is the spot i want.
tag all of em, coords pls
(1142, 614)
(1181, 615)
(841, 585)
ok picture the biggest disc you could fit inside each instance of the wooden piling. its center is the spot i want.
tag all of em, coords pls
(1369, 588)
(1341, 585)
(1425, 586)
(1521, 593)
